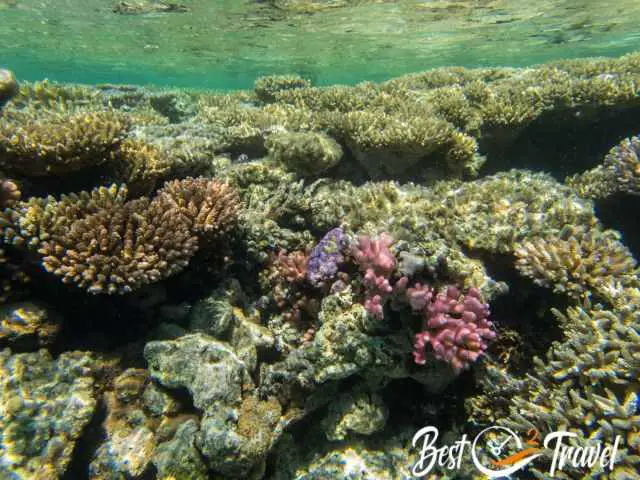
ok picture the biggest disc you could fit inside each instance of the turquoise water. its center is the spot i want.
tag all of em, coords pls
(227, 44)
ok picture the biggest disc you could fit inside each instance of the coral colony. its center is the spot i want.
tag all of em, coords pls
(456, 328)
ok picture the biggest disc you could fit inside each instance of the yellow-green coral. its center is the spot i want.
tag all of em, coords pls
(619, 172)
(57, 142)
(306, 153)
(588, 385)
(577, 261)
(266, 87)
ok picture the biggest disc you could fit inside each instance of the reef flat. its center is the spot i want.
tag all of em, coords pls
(290, 281)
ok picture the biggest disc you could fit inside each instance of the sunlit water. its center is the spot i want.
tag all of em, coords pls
(228, 43)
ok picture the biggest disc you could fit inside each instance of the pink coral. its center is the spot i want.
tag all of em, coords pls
(378, 263)
(456, 326)
(374, 254)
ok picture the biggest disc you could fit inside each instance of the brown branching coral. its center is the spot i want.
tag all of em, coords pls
(105, 243)
(57, 142)
(293, 266)
(579, 260)
(9, 193)
(117, 246)
(211, 206)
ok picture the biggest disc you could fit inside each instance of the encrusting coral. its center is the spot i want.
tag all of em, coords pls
(105, 243)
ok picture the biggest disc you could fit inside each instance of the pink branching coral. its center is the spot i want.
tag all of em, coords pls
(377, 263)
(374, 254)
(293, 266)
(455, 325)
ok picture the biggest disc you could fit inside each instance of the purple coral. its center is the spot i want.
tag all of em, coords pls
(326, 257)
(456, 326)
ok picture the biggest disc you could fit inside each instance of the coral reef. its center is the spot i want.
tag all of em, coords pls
(337, 262)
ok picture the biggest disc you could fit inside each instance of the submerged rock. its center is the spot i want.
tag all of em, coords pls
(44, 406)
(237, 429)
(27, 326)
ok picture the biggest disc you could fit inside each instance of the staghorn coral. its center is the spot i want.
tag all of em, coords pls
(57, 142)
(211, 206)
(619, 172)
(9, 193)
(587, 385)
(578, 261)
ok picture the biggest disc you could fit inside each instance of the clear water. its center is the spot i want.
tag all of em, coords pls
(228, 43)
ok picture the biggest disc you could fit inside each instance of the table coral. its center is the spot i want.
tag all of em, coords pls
(39, 143)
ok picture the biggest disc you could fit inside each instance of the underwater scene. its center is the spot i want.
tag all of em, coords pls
(319, 239)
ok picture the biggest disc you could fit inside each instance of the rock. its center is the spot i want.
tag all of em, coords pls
(28, 326)
(179, 457)
(237, 429)
(359, 412)
(45, 405)
(139, 416)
